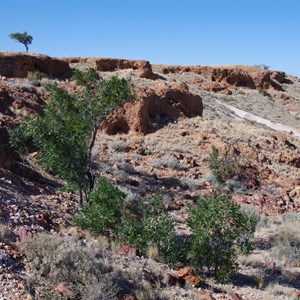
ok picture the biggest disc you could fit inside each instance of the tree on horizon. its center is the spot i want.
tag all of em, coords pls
(22, 38)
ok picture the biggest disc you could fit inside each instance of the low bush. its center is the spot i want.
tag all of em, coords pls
(219, 228)
(62, 260)
(103, 215)
(287, 253)
(141, 224)
(168, 162)
(36, 75)
(149, 225)
(118, 146)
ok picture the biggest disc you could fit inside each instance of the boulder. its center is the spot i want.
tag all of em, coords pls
(204, 295)
(235, 296)
(154, 109)
(188, 275)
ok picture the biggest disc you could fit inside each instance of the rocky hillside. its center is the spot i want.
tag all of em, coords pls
(162, 143)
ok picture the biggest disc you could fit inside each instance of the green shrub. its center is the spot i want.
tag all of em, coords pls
(140, 224)
(219, 228)
(103, 215)
(36, 75)
(148, 224)
(222, 169)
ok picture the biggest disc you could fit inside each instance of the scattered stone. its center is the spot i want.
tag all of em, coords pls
(65, 289)
(188, 275)
(271, 265)
(204, 295)
(127, 250)
(173, 280)
(235, 296)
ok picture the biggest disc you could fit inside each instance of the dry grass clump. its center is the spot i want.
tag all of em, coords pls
(118, 146)
(145, 292)
(255, 260)
(79, 267)
(287, 253)
(275, 291)
(76, 265)
(168, 162)
(153, 252)
(283, 235)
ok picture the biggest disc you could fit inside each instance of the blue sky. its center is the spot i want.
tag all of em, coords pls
(186, 32)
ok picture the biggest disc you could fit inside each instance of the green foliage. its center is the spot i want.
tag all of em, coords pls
(103, 216)
(222, 169)
(87, 79)
(22, 38)
(150, 225)
(61, 135)
(65, 134)
(36, 75)
(139, 224)
(219, 229)
(19, 136)
(113, 90)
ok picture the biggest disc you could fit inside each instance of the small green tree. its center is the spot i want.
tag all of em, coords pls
(65, 135)
(22, 38)
(219, 228)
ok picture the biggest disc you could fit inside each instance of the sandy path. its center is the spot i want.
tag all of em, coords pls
(248, 116)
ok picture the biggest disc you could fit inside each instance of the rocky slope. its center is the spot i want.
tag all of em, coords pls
(162, 142)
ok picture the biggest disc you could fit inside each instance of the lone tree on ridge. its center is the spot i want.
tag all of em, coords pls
(22, 38)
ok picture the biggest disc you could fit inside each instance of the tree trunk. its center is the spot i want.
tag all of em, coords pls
(81, 197)
(89, 155)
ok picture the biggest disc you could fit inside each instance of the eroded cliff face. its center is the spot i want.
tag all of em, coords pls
(221, 78)
(154, 109)
(214, 78)
(19, 64)
(142, 68)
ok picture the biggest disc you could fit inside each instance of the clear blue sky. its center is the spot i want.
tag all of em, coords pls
(169, 32)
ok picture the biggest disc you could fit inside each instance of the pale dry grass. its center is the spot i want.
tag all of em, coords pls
(277, 291)
(283, 235)
(152, 252)
(254, 260)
